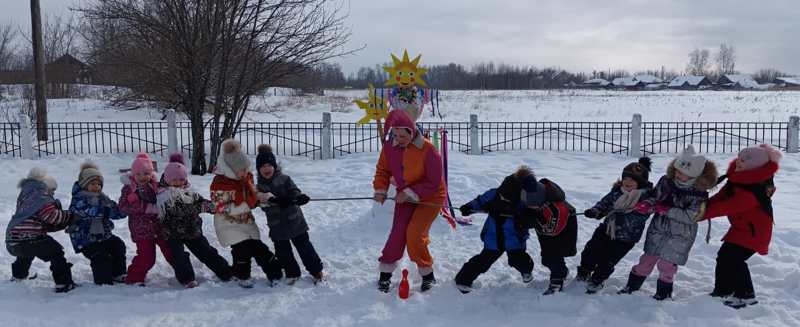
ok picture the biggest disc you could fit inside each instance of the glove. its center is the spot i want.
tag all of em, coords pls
(282, 201)
(701, 212)
(301, 199)
(661, 209)
(643, 208)
(592, 213)
(466, 210)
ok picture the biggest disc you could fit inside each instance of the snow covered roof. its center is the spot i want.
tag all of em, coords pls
(742, 80)
(693, 80)
(648, 79)
(597, 81)
(625, 81)
(788, 80)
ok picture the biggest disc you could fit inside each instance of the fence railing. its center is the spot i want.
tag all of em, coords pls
(326, 139)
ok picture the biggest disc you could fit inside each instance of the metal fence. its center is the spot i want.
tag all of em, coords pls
(10, 140)
(321, 140)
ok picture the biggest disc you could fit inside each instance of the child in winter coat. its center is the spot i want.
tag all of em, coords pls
(38, 214)
(234, 196)
(622, 228)
(678, 201)
(746, 201)
(138, 201)
(179, 213)
(92, 226)
(501, 233)
(280, 199)
(556, 225)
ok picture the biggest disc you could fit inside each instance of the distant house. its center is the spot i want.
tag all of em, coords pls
(689, 82)
(628, 83)
(791, 82)
(596, 83)
(738, 82)
(648, 79)
(64, 70)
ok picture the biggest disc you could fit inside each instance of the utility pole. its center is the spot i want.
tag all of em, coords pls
(38, 72)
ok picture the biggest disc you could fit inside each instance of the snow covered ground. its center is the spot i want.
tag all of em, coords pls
(349, 236)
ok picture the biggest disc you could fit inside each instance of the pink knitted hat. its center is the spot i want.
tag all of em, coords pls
(142, 164)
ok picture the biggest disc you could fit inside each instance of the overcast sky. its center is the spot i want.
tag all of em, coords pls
(577, 35)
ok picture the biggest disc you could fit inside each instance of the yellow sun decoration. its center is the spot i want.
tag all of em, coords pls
(405, 73)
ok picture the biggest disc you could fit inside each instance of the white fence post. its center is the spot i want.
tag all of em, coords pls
(327, 146)
(172, 133)
(635, 149)
(475, 146)
(25, 140)
(794, 134)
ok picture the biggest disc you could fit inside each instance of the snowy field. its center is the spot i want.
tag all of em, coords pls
(349, 237)
(534, 105)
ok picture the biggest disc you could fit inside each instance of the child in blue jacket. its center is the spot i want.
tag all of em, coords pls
(90, 231)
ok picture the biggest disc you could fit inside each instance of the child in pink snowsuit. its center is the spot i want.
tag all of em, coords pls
(138, 201)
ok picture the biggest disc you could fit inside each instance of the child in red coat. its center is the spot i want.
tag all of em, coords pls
(745, 200)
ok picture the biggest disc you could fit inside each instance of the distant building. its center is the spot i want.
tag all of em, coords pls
(787, 82)
(64, 70)
(596, 83)
(648, 79)
(689, 82)
(738, 82)
(628, 83)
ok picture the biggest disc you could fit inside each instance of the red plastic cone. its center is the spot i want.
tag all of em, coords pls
(403, 289)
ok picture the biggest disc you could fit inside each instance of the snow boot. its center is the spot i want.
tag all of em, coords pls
(663, 291)
(318, 278)
(385, 282)
(593, 286)
(556, 285)
(64, 288)
(427, 282)
(291, 280)
(634, 284)
(740, 302)
(583, 274)
(246, 283)
(191, 284)
(720, 294)
(527, 278)
(464, 289)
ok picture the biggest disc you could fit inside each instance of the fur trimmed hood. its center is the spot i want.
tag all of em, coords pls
(706, 181)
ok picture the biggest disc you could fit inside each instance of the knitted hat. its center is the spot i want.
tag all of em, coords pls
(40, 174)
(265, 156)
(757, 156)
(175, 169)
(234, 157)
(689, 163)
(533, 192)
(89, 172)
(142, 164)
(638, 171)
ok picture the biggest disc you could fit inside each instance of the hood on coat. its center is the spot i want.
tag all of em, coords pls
(706, 181)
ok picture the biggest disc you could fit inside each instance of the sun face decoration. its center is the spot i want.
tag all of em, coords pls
(375, 108)
(405, 73)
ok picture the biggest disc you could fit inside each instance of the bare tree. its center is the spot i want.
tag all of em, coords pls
(767, 75)
(8, 48)
(60, 35)
(725, 59)
(698, 62)
(194, 55)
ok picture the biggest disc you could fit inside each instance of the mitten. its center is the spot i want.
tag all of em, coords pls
(592, 213)
(282, 201)
(466, 210)
(301, 199)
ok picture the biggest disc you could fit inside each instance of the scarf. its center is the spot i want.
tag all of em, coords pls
(624, 204)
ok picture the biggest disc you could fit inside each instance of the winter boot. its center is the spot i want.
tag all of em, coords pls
(291, 280)
(583, 274)
(64, 288)
(385, 282)
(427, 282)
(120, 279)
(663, 290)
(556, 285)
(191, 284)
(593, 286)
(246, 283)
(527, 278)
(720, 294)
(740, 302)
(464, 289)
(318, 278)
(634, 284)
